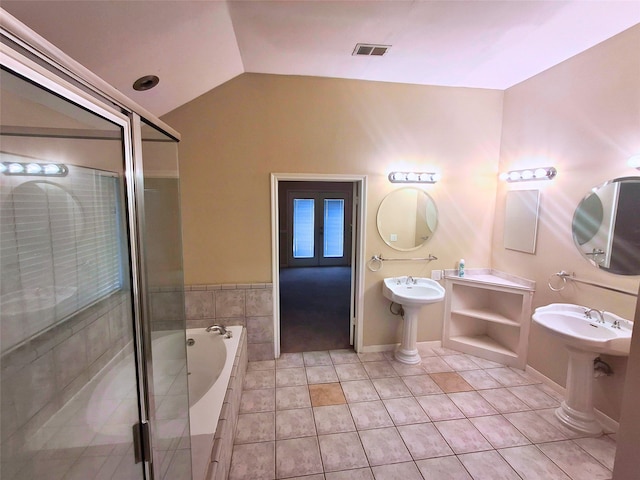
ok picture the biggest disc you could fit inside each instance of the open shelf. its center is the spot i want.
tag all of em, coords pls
(488, 315)
(484, 342)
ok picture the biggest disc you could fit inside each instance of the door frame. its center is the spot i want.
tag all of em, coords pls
(357, 248)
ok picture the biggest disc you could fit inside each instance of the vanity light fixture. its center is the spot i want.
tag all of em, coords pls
(544, 173)
(634, 161)
(414, 177)
(34, 169)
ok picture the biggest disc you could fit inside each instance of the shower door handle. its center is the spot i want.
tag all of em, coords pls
(141, 442)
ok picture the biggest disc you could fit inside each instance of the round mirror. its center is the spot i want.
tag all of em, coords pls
(407, 218)
(606, 229)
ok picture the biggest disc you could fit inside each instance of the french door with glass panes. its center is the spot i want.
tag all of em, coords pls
(319, 229)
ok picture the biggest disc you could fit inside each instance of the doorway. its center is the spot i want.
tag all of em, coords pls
(315, 273)
(317, 231)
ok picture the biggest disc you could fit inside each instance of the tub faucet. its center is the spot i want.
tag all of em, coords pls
(221, 329)
(600, 314)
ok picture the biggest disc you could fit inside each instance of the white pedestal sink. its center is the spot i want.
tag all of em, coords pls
(412, 294)
(585, 337)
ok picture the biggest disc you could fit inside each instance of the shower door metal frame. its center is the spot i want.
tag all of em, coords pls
(63, 74)
(146, 358)
(41, 76)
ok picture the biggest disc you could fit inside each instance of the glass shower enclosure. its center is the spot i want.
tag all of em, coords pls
(92, 339)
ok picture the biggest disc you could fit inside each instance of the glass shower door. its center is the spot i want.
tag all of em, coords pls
(70, 392)
(161, 235)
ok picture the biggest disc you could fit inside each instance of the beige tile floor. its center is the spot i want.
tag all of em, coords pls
(337, 415)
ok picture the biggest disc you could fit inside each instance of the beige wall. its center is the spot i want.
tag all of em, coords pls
(234, 136)
(583, 117)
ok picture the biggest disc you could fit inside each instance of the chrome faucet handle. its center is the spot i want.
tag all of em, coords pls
(221, 329)
(600, 316)
(615, 324)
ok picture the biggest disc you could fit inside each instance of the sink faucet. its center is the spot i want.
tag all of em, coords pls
(600, 314)
(221, 329)
(411, 280)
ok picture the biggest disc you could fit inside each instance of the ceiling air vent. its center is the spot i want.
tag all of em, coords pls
(370, 49)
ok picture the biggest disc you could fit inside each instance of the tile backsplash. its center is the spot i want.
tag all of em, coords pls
(249, 305)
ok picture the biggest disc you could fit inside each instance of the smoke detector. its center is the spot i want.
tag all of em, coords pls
(370, 49)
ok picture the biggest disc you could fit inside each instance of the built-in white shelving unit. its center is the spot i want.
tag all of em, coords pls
(488, 314)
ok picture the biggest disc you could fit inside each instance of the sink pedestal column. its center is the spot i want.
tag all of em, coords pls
(407, 351)
(577, 410)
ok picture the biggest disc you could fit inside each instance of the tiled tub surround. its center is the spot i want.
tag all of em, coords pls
(50, 376)
(167, 308)
(338, 415)
(218, 452)
(248, 305)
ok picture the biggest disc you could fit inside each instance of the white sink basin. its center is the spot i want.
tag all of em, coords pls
(412, 294)
(412, 291)
(570, 323)
(584, 338)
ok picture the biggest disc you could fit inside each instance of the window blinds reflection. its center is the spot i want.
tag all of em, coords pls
(60, 250)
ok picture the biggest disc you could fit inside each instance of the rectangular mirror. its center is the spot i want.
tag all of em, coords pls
(521, 220)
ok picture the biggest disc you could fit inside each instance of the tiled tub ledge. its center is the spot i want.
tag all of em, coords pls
(247, 304)
(223, 439)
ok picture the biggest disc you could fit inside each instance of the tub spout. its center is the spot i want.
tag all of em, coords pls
(221, 329)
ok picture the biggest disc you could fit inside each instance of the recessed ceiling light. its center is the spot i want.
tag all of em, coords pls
(145, 83)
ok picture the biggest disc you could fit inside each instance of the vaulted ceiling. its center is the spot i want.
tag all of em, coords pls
(194, 46)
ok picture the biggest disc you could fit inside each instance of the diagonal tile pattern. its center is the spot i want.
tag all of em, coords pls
(337, 415)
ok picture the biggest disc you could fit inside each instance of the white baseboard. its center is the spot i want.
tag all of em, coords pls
(393, 346)
(546, 380)
(378, 348)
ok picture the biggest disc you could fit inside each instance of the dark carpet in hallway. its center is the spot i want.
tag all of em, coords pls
(314, 308)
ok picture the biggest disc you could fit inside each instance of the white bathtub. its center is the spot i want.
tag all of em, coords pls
(209, 360)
